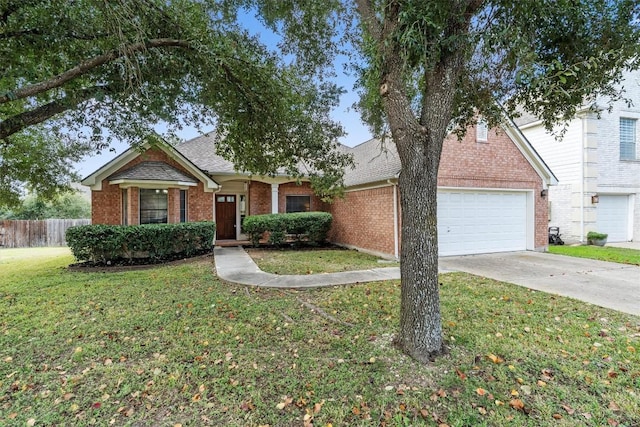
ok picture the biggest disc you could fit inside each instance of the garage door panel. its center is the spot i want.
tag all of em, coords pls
(479, 222)
(613, 217)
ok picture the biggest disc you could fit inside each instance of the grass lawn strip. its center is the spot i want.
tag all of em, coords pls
(602, 253)
(315, 261)
(173, 345)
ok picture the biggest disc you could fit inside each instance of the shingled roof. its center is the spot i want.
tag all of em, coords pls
(374, 161)
(153, 171)
(202, 153)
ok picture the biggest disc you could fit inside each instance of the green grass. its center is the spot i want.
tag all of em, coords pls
(315, 261)
(173, 345)
(603, 253)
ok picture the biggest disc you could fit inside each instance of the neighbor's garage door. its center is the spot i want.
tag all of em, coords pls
(473, 222)
(613, 217)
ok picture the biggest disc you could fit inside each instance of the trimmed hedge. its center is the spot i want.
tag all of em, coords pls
(303, 226)
(102, 243)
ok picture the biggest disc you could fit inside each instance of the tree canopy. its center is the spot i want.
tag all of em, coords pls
(77, 75)
(65, 206)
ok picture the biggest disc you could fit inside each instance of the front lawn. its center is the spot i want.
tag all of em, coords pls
(602, 253)
(315, 260)
(174, 346)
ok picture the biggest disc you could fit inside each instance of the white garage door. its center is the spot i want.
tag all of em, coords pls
(473, 222)
(613, 217)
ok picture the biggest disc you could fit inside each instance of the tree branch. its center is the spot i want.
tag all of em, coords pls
(86, 66)
(39, 114)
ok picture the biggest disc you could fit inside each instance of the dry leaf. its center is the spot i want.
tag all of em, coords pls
(461, 374)
(569, 409)
(495, 359)
(481, 391)
(614, 406)
(557, 416)
(517, 404)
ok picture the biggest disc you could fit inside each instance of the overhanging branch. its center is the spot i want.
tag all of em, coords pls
(86, 66)
(39, 114)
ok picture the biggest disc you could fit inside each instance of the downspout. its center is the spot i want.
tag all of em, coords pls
(582, 143)
(396, 246)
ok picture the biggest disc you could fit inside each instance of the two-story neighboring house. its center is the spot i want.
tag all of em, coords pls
(597, 164)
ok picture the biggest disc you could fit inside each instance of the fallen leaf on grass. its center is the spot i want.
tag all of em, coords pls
(461, 374)
(517, 404)
(614, 406)
(495, 359)
(569, 409)
(557, 416)
(286, 401)
(31, 422)
(481, 391)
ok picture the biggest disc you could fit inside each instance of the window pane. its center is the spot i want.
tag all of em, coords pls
(183, 205)
(298, 204)
(153, 206)
(627, 139)
(482, 131)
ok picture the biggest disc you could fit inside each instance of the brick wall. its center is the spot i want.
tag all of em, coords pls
(259, 198)
(107, 203)
(364, 219)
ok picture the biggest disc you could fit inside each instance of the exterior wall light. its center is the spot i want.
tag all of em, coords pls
(543, 193)
(595, 199)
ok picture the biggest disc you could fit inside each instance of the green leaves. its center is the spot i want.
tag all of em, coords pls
(96, 72)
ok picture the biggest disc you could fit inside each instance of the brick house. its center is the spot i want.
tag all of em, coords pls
(492, 193)
(598, 165)
(189, 183)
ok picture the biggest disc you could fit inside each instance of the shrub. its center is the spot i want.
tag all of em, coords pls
(104, 243)
(592, 235)
(302, 226)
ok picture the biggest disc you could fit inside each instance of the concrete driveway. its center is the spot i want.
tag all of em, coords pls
(606, 284)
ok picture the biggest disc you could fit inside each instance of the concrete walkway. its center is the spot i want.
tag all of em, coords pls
(234, 265)
(606, 284)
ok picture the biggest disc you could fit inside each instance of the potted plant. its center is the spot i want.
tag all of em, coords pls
(595, 238)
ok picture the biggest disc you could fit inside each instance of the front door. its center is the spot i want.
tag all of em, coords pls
(226, 216)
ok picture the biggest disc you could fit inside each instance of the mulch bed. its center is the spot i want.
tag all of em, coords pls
(135, 264)
(295, 247)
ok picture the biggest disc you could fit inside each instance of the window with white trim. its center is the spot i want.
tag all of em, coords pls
(153, 206)
(482, 131)
(628, 138)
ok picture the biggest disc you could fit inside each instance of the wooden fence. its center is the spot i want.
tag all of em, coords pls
(30, 234)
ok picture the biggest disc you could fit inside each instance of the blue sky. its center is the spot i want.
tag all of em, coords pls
(356, 131)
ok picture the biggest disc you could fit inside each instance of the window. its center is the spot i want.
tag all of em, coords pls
(298, 204)
(627, 139)
(183, 205)
(153, 206)
(482, 131)
(125, 207)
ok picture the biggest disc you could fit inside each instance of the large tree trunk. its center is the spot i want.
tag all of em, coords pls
(420, 321)
(419, 146)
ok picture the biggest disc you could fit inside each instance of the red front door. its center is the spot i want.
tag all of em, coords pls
(226, 216)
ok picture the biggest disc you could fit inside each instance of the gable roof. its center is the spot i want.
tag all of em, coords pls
(95, 179)
(376, 161)
(153, 171)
